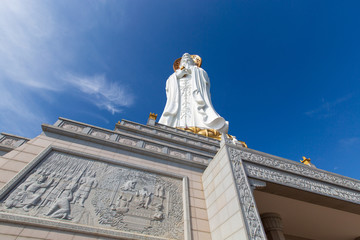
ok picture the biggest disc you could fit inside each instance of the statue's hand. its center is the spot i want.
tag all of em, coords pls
(181, 73)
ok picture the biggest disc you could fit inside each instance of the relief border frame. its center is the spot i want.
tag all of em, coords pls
(83, 229)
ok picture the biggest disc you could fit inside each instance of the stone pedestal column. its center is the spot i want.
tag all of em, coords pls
(273, 226)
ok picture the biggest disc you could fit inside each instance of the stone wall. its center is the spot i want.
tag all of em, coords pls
(194, 208)
(223, 206)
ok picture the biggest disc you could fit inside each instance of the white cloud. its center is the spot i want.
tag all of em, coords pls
(104, 94)
(350, 142)
(19, 114)
(327, 109)
(39, 42)
(27, 56)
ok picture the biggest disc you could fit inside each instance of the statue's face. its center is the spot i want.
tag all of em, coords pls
(186, 60)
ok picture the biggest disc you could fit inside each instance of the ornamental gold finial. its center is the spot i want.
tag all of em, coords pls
(306, 161)
(153, 116)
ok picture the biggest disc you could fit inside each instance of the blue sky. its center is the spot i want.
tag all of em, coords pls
(285, 74)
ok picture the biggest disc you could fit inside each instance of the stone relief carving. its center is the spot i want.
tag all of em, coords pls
(87, 183)
(177, 153)
(129, 125)
(72, 127)
(147, 130)
(251, 216)
(127, 141)
(200, 159)
(182, 139)
(9, 141)
(153, 147)
(99, 194)
(164, 134)
(298, 169)
(208, 146)
(29, 194)
(100, 134)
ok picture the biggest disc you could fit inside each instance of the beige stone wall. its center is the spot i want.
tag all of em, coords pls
(14, 161)
(223, 206)
(10, 231)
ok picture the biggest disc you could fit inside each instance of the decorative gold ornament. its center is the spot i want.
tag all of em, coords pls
(211, 133)
(153, 116)
(197, 59)
(306, 161)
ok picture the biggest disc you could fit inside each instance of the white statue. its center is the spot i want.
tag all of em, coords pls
(188, 99)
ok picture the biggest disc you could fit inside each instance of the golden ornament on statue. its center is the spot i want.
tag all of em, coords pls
(197, 59)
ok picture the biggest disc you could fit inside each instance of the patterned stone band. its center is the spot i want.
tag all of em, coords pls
(247, 201)
(298, 176)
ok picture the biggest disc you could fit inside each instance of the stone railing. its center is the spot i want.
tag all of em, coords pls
(134, 141)
(9, 142)
(174, 135)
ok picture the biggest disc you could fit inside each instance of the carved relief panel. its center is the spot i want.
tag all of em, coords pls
(94, 193)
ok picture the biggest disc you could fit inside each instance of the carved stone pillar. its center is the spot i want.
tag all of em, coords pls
(273, 226)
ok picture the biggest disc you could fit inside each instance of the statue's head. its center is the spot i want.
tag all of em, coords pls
(187, 60)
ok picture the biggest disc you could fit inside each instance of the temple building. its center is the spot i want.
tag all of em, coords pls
(180, 177)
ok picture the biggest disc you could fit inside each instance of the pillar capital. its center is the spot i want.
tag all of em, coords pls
(273, 226)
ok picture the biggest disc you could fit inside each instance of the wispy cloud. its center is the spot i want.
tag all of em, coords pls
(103, 93)
(19, 114)
(39, 46)
(327, 109)
(350, 142)
(26, 44)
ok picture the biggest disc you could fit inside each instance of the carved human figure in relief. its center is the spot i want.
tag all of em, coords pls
(160, 191)
(127, 190)
(189, 100)
(30, 195)
(87, 183)
(122, 203)
(158, 215)
(145, 198)
(61, 207)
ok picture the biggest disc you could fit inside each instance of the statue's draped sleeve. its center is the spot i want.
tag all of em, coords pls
(172, 103)
(201, 92)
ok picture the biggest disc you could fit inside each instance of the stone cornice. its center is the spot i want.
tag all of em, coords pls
(8, 142)
(171, 141)
(170, 134)
(176, 137)
(292, 174)
(298, 168)
(128, 142)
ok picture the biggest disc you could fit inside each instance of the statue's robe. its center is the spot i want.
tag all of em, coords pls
(203, 114)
